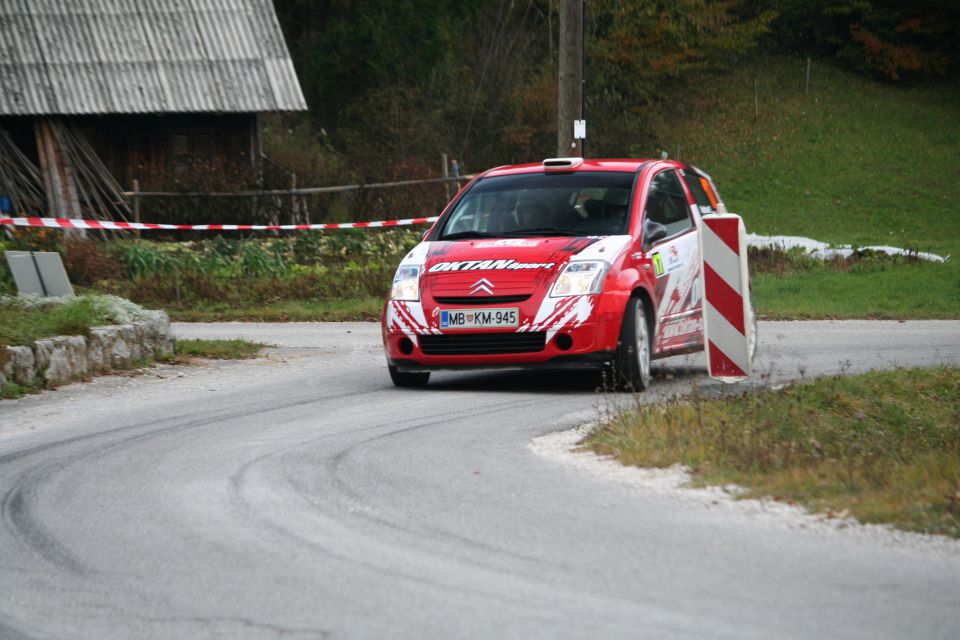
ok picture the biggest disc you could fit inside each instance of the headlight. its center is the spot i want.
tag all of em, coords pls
(406, 284)
(579, 278)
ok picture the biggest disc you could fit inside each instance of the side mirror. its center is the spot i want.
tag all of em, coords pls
(423, 236)
(652, 232)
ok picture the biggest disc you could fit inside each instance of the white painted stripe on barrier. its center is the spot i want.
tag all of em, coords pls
(723, 260)
(72, 223)
(725, 334)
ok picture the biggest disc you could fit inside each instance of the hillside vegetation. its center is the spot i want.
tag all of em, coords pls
(856, 161)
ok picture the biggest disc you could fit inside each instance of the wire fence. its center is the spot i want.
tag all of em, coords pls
(356, 202)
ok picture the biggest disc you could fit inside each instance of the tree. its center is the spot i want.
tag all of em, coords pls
(888, 38)
(634, 47)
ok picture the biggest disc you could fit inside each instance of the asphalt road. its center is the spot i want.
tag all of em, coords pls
(301, 495)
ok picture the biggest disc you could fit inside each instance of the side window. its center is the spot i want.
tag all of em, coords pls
(667, 204)
(702, 193)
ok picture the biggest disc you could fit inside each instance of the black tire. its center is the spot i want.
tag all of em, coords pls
(634, 347)
(408, 378)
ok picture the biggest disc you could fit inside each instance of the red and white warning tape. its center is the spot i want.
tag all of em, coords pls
(71, 223)
(726, 317)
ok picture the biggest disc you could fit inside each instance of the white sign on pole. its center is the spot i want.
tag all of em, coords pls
(580, 129)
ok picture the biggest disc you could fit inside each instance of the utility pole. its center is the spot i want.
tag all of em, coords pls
(570, 79)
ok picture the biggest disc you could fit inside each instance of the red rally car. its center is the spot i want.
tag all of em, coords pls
(565, 263)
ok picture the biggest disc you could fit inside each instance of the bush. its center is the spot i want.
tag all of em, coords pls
(86, 261)
(35, 239)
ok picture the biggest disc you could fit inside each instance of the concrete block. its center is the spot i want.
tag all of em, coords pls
(61, 359)
(21, 366)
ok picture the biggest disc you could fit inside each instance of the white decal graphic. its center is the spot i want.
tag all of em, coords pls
(506, 243)
(682, 290)
(682, 328)
(606, 249)
(417, 255)
(407, 318)
(488, 265)
(557, 313)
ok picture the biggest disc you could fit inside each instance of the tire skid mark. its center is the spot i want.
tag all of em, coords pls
(237, 625)
(16, 455)
(238, 480)
(250, 512)
(336, 474)
(19, 520)
(10, 633)
(16, 507)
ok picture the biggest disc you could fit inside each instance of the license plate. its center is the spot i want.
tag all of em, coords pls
(478, 318)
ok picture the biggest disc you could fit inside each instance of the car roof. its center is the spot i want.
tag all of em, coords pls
(615, 164)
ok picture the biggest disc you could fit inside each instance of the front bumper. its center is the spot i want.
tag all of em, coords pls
(589, 345)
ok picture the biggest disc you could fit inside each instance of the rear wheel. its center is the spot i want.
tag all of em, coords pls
(633, 352)
(408, 378)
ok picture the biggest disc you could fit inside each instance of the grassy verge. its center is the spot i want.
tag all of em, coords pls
(236, 349)
(23, 320)
(882, 446)
(12, 391)
(854, 162)
(364, 308)
(20, 326)
(26, 319)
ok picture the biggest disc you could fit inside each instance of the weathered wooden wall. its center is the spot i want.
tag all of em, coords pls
(157, 150)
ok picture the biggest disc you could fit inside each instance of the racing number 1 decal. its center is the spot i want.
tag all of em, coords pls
(657, 264)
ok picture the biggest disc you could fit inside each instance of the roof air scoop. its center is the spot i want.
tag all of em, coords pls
(562, 163)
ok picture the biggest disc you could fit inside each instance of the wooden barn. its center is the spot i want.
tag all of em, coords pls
(95, 94)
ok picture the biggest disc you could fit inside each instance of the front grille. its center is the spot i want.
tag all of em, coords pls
(477, 300)
(464, 344)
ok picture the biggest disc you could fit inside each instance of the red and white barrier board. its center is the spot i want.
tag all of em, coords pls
(727, 321)
(71, 223)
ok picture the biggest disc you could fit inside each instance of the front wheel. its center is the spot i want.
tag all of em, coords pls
(408, 378)
(633, 352)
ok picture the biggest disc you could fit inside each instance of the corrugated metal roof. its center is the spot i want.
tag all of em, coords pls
(143, 56)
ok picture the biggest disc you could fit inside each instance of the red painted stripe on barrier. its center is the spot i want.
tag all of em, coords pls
(721, 365)
(723, 297)
(72, 223)
(727, 230)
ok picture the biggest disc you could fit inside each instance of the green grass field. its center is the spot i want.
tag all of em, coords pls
(854, 162)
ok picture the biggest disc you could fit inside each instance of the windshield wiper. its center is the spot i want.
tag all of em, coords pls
(543, 231)
(463, 235)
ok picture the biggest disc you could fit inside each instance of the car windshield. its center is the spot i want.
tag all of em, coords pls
(583, 203)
